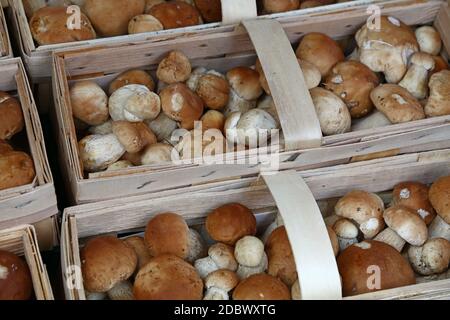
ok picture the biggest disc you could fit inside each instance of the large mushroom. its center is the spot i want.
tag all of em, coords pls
(15, 277)
(440, 199)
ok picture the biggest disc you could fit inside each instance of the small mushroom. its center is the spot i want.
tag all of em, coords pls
(142, 252)
(365, 209)
(245, 82)
(174, 68)
(144, 23)
(98, 152)
(249, 253)
(12, 121)
(89, 103)
(135, 76)
(440, 199)
(333, 114)
(397, 104)
(214, 91)
(277, 6)
(128, 135)
(219, 283)
(261, 287)
(158, 153)
(220, 257)
(134, 103)
(439, 103)
(404, 225)
(429, 40)
(280, 256)
(433, 257)
(346, 232)
(213, 120)
(416, 78)
(159, 237)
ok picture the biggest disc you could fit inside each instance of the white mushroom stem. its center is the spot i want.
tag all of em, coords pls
(345, 243)
(121, 291)
(416, 81)
(439, 229)
(96, 296)
(391, 238)
(216, 294)
(244, 272)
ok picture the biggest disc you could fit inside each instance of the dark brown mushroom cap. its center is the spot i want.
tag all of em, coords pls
(175, 14)
(15, 278)
(261, 287)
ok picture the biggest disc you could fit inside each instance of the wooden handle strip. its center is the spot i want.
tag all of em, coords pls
(298, 118)
(235, 11)
(316, 265)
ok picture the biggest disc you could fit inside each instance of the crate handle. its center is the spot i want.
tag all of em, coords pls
(234, 11)
(298, 118)
(314, 257)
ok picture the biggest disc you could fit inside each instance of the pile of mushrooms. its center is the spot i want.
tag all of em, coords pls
(106, 18)
(407, 242)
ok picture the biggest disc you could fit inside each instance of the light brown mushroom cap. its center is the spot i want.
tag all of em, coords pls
(321, 51)
(89, 103)
(214, 91)
(174, 68)
(168, 277)
(438, 102)
(158, 154)
(407, 224)
(364, 208)
(144, 23)
(276, 6)
(397, 104)
(15, 278)
(358, 263)
(213, 119)
(423, 60)
(224, 279)
(106, 261)
(353, 82)
(223, 256)
(182, 105)
(431, 258)
(440, 197)
(346, 229)
(230, 223)
(132, 77)
(261, 287)
(245, 82)
(160, 235)
(128, 135)
(414, 195)
(429, 40)
(281, 259)
(142, 252)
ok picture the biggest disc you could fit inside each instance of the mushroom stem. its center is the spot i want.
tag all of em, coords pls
(391, 238)
(416, 81)
(216, 294)
(121, 291)
(345, 243)
(439, 229)
(244, 272)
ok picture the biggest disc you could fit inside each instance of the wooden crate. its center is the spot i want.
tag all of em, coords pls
(5, 43)
(22, 241)
(38, 62)
(291, 192)
(34, 202)
(305, 147)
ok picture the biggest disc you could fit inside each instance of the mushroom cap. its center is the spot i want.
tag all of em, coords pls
(89, 103)
(167, 277)
(249, 251)
(261, 287)
(128, 135)
(431, 258)
(245, 82)
(438, 102)
(213, 119)
(223, 256)
(281, 259)
(182, 105)
(11, 116)
(356, 266)
(111, 18)
(231, 222)
(346, 229)
(276, 6)
(424, 60)
(144, 23)
(98, 152)
(365, 208)
(145, 133)
(16, 169)
(135, 76)
(414, 195)
(321, 51)
(439, 65)
(396, 103)
(214, 91)
(174, 68)
(429, 40)
(5, 147)
(407, 223)
(105, 261)
(160, 239)
(175, 14)
(440, 197)
(15, 278)
(211, 10)
(158, 153)
(142, 252)
(334, 116)
(223, 279)
(353, 82)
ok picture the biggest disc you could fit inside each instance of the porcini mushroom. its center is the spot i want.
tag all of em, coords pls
(438, 102)
(158, 154)
(219, 283)
(388, 48)
(281, 259)
(220, 256)
(231, 222)
(15, 278)
(162, 127)
(365, 209)
(440, 199)
(98, 152)
(276, 6)
(261, 287)
(89, 103)
(214, 91)
(175, 14)
(135, 76)
(249, 253)
(174, 68)
(431, 258)
(168, 277)
(107, 263)
(142, 252)
(245, 82)
(144, 23)
(187, 245)
(213, 120)
(397, 104)
(128, 135)
(404, 225)
(346, 232)
(429, 40)
(416, 78)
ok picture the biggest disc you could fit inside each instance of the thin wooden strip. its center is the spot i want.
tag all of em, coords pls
(316, 264)
(442, 25)
(236, 11)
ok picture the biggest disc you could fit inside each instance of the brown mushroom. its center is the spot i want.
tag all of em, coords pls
(175, 14)
(175, 67)
(438, 102)
(135, 76)
(219, 283)
(281, 259)
(15, 278)
(214, 91)
(276, 6)
(439, 196)
(431, 258)
(11, 117)
(211, 10)
(261, 287)
(220, 257)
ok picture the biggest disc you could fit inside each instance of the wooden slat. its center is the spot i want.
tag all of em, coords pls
(236, 11)
(298, 118)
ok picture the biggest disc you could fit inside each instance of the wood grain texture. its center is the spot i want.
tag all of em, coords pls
(5, 42)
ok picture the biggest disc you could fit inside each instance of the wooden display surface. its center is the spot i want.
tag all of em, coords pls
(5, 43)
